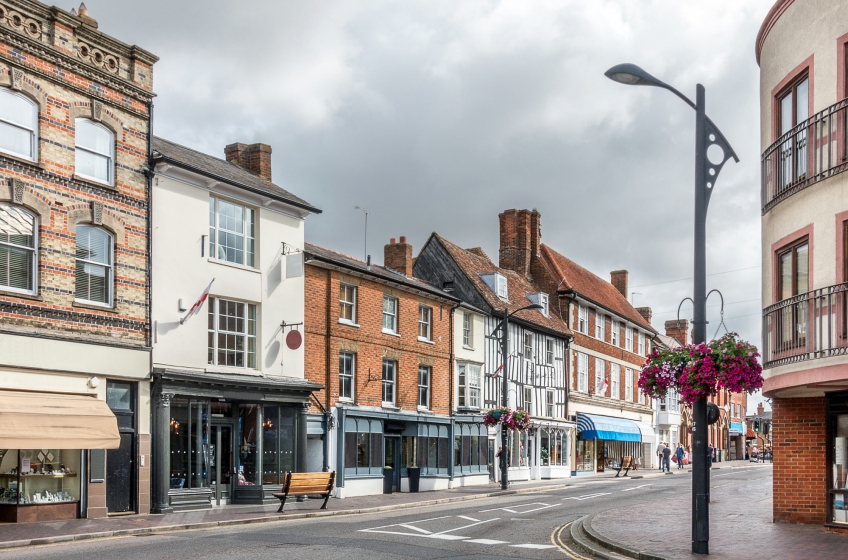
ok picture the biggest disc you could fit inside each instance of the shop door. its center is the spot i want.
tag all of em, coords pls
(392, 459)
(119, 475)
(221, 457)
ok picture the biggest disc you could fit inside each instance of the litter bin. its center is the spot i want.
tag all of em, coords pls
(388, 480)
(414, 478)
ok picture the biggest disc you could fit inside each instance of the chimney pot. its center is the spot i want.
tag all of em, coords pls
(392, 241)
(403, 239)
(255, 158)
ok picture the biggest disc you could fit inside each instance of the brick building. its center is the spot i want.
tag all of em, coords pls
(379, 341)
(74, 256)
(802, 51)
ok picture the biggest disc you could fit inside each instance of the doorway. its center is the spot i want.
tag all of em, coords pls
(392, 459)
(222, 462)
(120, 462)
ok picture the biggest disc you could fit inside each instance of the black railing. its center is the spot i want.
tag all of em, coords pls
(810, 152)
(807, 326)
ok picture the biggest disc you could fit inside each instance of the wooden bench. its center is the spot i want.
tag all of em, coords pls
(626, 465)
(307, 484)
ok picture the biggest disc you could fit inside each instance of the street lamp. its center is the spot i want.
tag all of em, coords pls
(504, 340)
(707, 136)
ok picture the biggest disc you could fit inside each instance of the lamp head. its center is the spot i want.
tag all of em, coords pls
(632, 75)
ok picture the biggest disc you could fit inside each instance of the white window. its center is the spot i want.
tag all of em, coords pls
(390, 312)
(641, 344)
(469, 385)
(615, 381)
(543, 301)
(425, 323)
(95, 151)
(673, 400)
(628, 385)
(18, 125)
(528, 346)
(628, 341)
(549, 351)
(599, 325)
(232, 333)
(232, 236)
(347, 365)
(614, 330)
(549, 403)
(424, 386)
(347, 303)
(467, 330)
(528, 399)
(600, 376)
(18, 255)
(389, 379)
(500, 286)
(583, 319)
(582, 372)
(94, 271)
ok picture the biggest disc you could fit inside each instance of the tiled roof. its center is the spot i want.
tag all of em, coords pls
(225, 171)
(474, 263)
(352, 263)
(586, 284)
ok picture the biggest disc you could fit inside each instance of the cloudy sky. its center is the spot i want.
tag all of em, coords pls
(437, 115)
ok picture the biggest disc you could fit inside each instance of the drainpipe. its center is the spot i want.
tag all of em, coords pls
(149, 262)
(451, 360)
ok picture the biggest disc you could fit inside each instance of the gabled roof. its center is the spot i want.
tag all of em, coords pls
(224, 171)
(473, 263)
(378, 272)
(572, 276)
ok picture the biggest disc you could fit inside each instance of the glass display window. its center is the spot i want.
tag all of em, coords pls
(839, 467)
(585, 461)
(191, 450)
(278, 443)
(39, 476)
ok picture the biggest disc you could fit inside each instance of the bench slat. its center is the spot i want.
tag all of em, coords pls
(296, 476)
(323, 488)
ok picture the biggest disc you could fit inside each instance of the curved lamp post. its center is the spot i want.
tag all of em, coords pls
(707, 136)
(504, 341)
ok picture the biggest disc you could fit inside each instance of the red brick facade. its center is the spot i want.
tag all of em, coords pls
(800, 460)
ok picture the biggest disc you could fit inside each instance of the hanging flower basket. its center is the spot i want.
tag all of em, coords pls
(704, 369)
(511, 419)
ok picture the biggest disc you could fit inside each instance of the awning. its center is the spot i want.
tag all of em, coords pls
(54, 421)
(595, 426)
(648, 435)
(736, 427)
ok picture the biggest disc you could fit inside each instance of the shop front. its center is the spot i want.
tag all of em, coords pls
(225, 438)
(603, 442)
(542, 452)
(737, 441)
(43, 443)
(837, 459)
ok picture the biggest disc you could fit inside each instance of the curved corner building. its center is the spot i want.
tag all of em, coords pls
(802, 50)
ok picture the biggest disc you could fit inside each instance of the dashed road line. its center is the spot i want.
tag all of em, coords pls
(635, 488)
(486, 541)
(535, 546)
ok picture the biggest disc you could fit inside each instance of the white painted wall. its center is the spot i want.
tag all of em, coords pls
(180, 219)
(476, 353)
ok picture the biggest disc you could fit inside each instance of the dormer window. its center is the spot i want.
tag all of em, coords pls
(540, 298)
(497, 283)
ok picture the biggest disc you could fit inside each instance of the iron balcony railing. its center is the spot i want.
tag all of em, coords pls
(808, 153)
(807, 326)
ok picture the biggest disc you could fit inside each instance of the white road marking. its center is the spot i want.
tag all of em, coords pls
(536, 546)
(468, 518)
(447, 537)
(514, 509)
(465, 527)
(635, 488)
(414, 528)
(486, 541)
(587, 496)
(395, 524)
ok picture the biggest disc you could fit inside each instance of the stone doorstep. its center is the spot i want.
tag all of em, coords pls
(269, 519)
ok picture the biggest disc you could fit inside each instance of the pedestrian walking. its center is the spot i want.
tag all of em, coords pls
(710, 450)
(667, 459)
(660, 448)
(680, 453)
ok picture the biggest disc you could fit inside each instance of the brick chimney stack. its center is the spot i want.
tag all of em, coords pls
(618, 278)
(520, 239)
(646, 313)
(759, 408)
(256, 158)
(398, 256)
(678, 330)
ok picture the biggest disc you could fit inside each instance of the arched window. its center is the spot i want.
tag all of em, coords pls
(94, 265)
(17, 249)
(18, 125)
(95, 151)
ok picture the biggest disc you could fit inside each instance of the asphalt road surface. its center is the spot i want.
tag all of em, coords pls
(522, 526)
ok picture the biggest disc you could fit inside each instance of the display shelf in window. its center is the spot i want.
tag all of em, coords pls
(39, 484)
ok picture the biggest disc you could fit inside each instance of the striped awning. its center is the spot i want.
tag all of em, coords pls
(609, 428)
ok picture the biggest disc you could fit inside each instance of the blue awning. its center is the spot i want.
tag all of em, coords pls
(609, 428)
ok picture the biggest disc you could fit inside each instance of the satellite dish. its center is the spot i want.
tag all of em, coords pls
(294, 339)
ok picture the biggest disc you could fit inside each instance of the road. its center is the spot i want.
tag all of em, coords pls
(519, 526)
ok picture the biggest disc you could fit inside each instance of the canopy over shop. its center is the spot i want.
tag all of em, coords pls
(602, 441)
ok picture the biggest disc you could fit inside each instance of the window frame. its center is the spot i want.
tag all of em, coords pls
(111, 156)
(641, 343)
(628, 385)
(615, 381)
(467, 330)
(615, 333)
(600, 325)
(550, 351)
(34, 132)
(110, 268)
(468, 393)
(583, 319)
(528, 402)
(425, 387)
(501, 288)
(793, 249)
(394, 316)
(33, 260)
(351, 303)
(600, 375)
(582, 372)
(628, 338)
(351, 375)
(544, 302)
(215, 229)
(425, 322)
(214, 311)
(528, 350)
(550, 403)
(389, 382)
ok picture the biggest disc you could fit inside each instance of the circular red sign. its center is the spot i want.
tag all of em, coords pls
(294, 339)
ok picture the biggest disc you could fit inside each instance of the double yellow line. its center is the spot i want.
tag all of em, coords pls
(557, 541)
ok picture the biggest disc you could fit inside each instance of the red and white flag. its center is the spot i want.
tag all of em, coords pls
(603, 388)
(498, 371)
(198, 304)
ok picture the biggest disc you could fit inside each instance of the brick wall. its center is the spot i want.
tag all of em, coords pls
(799, 436)
(326, 337)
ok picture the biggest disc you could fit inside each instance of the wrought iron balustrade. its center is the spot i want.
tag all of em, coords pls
(807, 326)
(810, 152)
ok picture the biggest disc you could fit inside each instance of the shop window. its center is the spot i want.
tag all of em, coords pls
(18, 125)
(95, 151)
(94, 266)
(248, 428)
(363, 447)
(278, 443)
(189, 431)
(838, 491)
(18, 255)
(553, 447)
(471, 448)
(433, 449)
(232, 236)
(61, 482)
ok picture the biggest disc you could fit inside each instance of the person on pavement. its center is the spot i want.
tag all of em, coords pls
(710, 450)
(660, 453)
(680, 453)
(666, 459)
